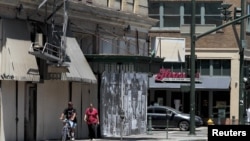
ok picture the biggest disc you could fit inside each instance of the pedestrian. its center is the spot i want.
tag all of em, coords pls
(248, 114)
(92, 119)
(69, 113)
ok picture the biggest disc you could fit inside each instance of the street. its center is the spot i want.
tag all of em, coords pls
(173, 134)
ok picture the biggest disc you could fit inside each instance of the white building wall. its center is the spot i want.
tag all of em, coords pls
(52, 98)
(234, 93)
(13, 128)
(83, 94)
(20, 110)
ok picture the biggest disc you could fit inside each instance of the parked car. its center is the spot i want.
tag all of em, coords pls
(160, 114)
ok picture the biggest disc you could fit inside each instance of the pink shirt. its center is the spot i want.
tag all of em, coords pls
(92, 116)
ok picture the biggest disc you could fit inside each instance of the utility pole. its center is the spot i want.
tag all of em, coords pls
(241, 49)
(241, 53)
(192, 73)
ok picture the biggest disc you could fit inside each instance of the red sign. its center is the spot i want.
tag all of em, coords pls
(168, 75)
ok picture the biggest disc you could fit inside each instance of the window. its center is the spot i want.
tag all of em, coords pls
(171, 14)
(226, 67)
(188, 12)
(174, 14)
(150, 111)
(176, 67)
(217, 67)
(160, 111)
(154, 12)
(212, 14)
(204, 67)
(221, 67)
(248, 19)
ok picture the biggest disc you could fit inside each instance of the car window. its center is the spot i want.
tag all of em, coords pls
(169, 112)
(160, 111)
(173, 110)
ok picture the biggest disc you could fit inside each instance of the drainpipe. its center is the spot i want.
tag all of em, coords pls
(137, 42)
(192, 74)
(241, 89)
(2, 136)
(17, 111)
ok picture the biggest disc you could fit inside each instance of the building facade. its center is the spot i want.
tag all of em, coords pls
(43, 64)
(217, 57)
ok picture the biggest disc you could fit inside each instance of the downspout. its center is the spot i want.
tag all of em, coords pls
(70, 91)
(81, 109)
(2, 136)
(137, 42)
(96, 41)
(17, 111)
(99, 79)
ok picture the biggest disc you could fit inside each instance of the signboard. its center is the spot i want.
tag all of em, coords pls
(165, 75)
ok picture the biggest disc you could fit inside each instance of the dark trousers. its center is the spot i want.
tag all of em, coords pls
(92, 129)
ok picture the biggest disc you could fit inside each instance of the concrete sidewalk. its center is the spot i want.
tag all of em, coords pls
(171, 135)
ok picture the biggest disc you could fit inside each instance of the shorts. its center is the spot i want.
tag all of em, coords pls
(72, 124)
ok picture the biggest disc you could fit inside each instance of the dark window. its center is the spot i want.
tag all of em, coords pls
(204, 67)
(221, 67)
(217, 67)
(212, 13)
(160, 111)
(248, 19)
(150, 111)
(188, 13)
(172, 13)
(154, 8)
(177, 67)
(226, 66)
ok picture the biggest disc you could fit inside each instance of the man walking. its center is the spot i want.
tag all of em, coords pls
(92, 119)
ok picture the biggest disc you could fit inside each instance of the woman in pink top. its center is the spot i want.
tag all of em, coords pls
(92, 119)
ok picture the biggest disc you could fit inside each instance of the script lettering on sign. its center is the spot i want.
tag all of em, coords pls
(165, 75)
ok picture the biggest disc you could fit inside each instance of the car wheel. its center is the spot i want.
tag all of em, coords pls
(184, 125)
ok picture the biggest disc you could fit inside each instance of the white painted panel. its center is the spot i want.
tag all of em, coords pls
(2, 135)
(52, 98)
(13, 109)
(21, 110)
(9, 109)
(172, 49)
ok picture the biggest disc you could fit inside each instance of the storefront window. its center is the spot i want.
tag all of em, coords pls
(177, 67)
(204, 66)
(221, 67)
(226, 65)
(221, 99)
(217, 67)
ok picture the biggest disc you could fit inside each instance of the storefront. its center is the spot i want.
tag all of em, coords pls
(212, 93)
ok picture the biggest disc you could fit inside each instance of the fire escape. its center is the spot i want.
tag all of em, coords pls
(54, 49)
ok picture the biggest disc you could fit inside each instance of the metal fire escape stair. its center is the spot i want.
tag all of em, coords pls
(48, 52)
(54, 52)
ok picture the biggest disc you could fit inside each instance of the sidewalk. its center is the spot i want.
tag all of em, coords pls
(173, 135)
